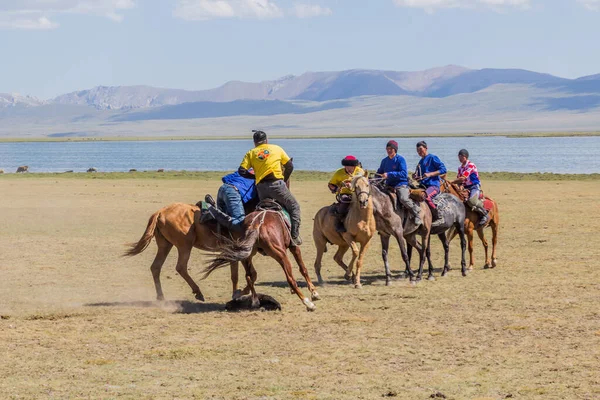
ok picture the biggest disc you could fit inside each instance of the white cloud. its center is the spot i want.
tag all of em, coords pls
(200, 10)
(309, 11)
(37, 14)
(431, 5)
(593, 5)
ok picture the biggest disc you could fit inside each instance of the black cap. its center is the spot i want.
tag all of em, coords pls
(259, 136)
(463, 152)
(421, 144)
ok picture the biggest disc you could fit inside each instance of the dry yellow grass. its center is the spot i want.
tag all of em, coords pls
(78, 321)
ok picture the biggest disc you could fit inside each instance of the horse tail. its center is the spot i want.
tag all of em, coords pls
(142, 244)
(234, 250)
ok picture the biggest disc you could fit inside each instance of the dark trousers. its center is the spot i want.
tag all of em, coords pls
(278, 191)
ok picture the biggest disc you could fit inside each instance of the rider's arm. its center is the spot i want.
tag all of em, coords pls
(287, 170)
(244, 172)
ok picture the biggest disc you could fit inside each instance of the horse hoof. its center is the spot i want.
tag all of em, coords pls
(236, 295)
(464, 273)
(315, 296)
(199, 296)
(494, 263)
(388, 282)
(430, 278)
(160, 298)
(444, 272)
(486, 266)
(413, 282)
(471, 268)
(320, 281)
(310, 306)
(357, 286)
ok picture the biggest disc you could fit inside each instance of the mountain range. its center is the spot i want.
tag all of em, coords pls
(322, 103)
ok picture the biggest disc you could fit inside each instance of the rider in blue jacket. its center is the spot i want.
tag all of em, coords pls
(428, 173)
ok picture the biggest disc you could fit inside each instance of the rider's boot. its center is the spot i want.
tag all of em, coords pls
(416, 210)
(439, 218)
(209, 199)
(484, 216)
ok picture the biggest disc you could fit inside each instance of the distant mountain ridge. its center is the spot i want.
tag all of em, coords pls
(317, 86)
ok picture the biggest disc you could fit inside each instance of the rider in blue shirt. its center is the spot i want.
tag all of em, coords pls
(233, 194)
(428, 173)
(393, 170)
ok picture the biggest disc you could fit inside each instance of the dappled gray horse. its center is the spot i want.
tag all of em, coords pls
(453, 211)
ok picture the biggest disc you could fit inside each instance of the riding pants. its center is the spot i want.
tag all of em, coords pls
(230, 202)
(278, 191)
(431, 192)
(403, 193)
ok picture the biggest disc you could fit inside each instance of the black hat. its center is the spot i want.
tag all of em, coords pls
(421, 143)
(259, 136)
(350, 161)
(463, 152)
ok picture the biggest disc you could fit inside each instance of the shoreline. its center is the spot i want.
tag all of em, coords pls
(297, 175)
(296, 137)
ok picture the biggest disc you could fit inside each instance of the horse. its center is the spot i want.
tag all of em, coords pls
(392, 222)
(267, 232)
(360, 227)
(178, 225)
(23, 168)
(472, 221)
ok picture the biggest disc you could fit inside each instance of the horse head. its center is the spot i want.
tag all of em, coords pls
(362, 189)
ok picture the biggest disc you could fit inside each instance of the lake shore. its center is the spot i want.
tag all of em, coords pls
(298, 137)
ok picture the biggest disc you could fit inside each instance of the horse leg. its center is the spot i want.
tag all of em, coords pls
(182, 262)
(494, 226)
(339, 259)
(320, 244)
(250, 282)
(164, 247)
(403, 250)
(422, 255)
(350, 274)
(484, 241)
(446, 245)
(463, 248)
(385, 245)
(281, 257)
(304, 272)
(359, 263)
(469, 233)
(236, 293)
(430, 264)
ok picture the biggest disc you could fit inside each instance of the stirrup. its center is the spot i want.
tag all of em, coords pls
(209, 199)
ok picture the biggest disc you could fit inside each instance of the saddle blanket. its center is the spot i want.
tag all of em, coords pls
(488, 204)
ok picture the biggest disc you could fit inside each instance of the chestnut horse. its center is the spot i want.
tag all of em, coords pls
(472, 223)
(267, 232)
(178, 225)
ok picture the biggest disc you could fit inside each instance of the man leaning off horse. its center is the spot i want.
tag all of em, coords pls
(272, 169)
(469, 178)
(340, 184)
(393, 170)
(235, 192)
(428, 172)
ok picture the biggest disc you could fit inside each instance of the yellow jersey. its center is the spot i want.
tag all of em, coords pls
(266, 159)
(341, 175)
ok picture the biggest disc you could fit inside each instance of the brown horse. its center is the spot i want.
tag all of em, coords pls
(360, 227)
(472, 223)
(178, 225)
(267, 232)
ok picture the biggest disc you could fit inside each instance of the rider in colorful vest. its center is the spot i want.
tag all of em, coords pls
(272, 169)
(393, 170)
(234, 193)
(340, 183)
(469, 178)
(428, 173)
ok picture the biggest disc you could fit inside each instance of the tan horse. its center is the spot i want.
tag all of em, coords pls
(178, 225)
(360, 227)
(472, 221)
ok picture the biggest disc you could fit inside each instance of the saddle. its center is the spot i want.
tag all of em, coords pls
(272, 205)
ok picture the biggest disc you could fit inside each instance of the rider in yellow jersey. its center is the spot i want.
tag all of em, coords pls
(272, 169)
(340, 183)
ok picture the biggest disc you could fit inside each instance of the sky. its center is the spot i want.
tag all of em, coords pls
(52, 47)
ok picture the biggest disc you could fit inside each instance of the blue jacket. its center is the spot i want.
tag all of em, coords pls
(396, 170)
(430, 163)
(245, 186)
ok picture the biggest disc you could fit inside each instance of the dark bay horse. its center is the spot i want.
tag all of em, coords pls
(178, 225)
(472, 223)
(267, 232)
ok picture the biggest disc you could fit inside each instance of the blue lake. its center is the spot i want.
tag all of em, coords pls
(559, 155)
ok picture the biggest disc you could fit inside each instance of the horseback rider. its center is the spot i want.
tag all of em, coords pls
(428, 172)
(469, 178)
(272, 169)
(235, 192)
(340, 184)
(393, 170)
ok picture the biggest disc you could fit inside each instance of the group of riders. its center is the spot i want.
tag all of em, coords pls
(266, 168)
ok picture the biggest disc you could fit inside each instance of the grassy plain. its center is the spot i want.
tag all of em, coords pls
(78, 321)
